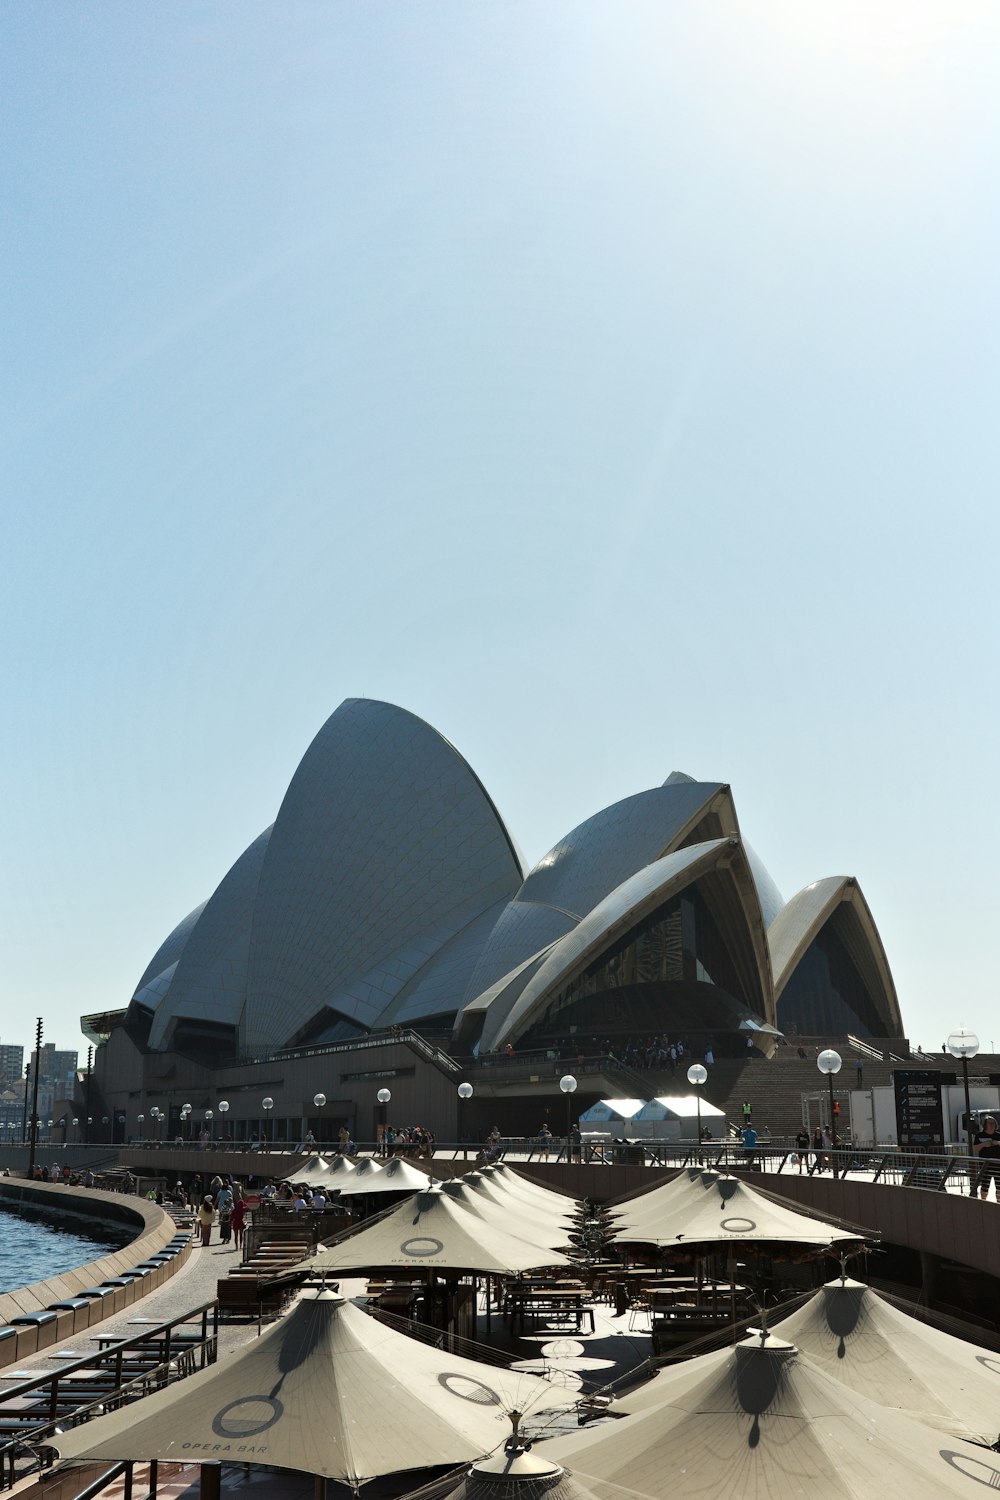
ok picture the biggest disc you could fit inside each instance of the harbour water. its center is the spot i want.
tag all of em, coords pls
(34, 1246)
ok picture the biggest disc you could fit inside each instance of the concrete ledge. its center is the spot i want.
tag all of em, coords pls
(154, 1229)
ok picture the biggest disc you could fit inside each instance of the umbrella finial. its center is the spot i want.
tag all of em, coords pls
(764, 1335)
(513, 1444)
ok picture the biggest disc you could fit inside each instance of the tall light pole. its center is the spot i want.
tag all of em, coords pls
(568, 1086)
(464, 1092)
(319, 1100)
(266, 1105)
(829, 1062)
(223, 1111)
(34, 1096)
(383, 1096)
(964, 1044)
(697, 1075)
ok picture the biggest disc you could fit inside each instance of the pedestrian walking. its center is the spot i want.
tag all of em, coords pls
(802, 1148)
(206, 1218)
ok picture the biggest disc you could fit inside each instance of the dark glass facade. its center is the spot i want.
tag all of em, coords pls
(671, 971)
(827, 994)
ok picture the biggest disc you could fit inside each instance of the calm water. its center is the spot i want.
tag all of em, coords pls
(32, 1249)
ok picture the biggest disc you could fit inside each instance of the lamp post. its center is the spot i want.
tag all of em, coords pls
(383, 1096)
(266, 1105)
(464, 1092)
(185, 1116)
(697, 1075)
(76, 1127)
(319, 1100)
(209, 1117)
(568, 1086)
(34, 1097)
(829, 1062)
(141, 1120)
(223, 1109)
(964, 1044)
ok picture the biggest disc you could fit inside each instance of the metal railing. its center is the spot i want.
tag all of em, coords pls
(56, 1394)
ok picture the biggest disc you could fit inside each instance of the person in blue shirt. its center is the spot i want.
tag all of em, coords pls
(750, 1145)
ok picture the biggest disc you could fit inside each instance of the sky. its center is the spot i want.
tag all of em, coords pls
(613, 385)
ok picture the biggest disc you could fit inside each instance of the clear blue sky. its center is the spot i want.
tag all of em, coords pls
(612, 384)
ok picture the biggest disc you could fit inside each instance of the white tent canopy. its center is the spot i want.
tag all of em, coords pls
(679, 1107)
(762, 1423)
(611, 1112)
(328, 1390)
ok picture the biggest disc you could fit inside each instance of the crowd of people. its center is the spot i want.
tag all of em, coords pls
(404, 1140)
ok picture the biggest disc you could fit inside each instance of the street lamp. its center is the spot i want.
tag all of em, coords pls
(223, 1109)
(829, 1062)
(697, 1075)
(383, 1096)
(76, 1127)
(464, 1092)
(568, 1086)
(185, 1115)
(319, 1100)
(964, 1044)
(266, 1105)
(209, 1117)
(141, 1121)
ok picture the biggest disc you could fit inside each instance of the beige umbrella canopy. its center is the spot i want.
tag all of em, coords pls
(539, 1229)
(517, 1474)
(328, 1390)
(762, 1423)
(552, 1206)
(503, 1176)
(650, 1208)
(431, 1230)
(857, 1337)
(398, 1177)
(368, 1169)
(333, 1174)
(726, 1210)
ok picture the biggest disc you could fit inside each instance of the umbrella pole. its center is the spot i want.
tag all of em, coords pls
(319, 1487)
(154, 1474)
(210, 1483)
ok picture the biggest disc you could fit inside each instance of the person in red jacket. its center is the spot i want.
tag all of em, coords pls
(237, 1219)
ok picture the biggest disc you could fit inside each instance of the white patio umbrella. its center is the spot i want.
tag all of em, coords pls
(329, 1391)
(761, 1422)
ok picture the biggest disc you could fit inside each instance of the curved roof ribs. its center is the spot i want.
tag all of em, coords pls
(838, 898)
(719, 867)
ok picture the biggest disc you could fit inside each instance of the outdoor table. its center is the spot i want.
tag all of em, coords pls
(525, 1302)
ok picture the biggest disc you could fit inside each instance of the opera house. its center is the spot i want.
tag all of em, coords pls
(385, 927)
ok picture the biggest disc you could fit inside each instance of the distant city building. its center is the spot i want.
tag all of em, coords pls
(11, 1064)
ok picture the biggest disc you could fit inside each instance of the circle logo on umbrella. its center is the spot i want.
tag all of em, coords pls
(247, 1417)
